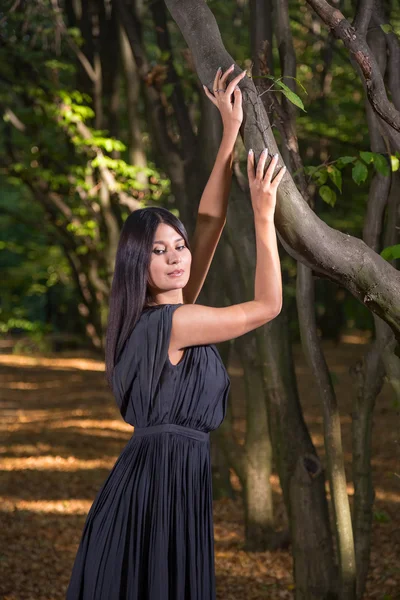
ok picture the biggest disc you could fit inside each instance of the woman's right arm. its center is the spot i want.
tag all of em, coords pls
(194, 324)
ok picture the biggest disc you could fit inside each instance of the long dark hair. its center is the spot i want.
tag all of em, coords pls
(129, 290)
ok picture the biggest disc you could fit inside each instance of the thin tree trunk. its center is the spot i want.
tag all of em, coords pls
(332, 433)
(259, 511)
(300, 470)
(137, 155)
(370, 371)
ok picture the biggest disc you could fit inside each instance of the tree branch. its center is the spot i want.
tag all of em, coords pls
(356, 44)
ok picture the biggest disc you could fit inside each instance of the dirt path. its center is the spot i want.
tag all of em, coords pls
(61, 434)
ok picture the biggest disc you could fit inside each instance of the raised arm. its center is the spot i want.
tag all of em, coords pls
(214, 200)
(196, 324)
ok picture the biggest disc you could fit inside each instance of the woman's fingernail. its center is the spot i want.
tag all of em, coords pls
(265, 150)
(276, 155)
(251, 151)
(236, 87)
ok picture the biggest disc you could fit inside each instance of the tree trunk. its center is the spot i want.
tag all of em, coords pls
(137, 155)
(300, 471)
(332, 434)
(259, 511)
(370, 371)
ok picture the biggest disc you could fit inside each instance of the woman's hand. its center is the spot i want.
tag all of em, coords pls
(263, 188)
(229, 100)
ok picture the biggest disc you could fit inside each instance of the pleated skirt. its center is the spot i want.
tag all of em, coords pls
(149, 532)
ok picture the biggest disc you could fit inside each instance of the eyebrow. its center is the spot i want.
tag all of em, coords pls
(161, 242)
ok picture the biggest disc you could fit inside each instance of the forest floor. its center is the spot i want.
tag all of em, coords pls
(61, 433)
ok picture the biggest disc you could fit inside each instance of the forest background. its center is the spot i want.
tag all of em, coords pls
(103, 112)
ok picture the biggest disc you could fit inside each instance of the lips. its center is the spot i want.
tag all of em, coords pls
(177, 272)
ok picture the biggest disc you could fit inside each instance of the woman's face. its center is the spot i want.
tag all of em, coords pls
(169, 254)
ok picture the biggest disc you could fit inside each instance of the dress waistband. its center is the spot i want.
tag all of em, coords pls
(195, 434)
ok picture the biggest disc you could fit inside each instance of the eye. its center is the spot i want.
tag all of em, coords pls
(159, 251)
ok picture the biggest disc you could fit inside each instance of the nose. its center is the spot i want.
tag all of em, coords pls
(174, 258)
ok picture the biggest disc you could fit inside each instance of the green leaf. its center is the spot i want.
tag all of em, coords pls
(335, 176)
(298, 82)
(310, 170)
(345, 160)
(387, 28)
(321, 176)
(391, 252)
(328, 195)
(359, 172)
(291, 96)
(394, 161)
(368, 157)
(381, 164)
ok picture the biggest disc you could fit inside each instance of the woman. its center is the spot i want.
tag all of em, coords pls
(149, 532)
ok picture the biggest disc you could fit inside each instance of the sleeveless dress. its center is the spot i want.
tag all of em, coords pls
(149, 532)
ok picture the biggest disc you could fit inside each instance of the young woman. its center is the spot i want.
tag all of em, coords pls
(149, 532)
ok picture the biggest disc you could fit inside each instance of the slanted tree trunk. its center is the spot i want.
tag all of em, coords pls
(306, 237)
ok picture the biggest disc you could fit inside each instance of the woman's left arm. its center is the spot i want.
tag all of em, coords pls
(214, 200)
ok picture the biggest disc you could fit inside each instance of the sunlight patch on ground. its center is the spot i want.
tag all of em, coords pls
(83, 364)
(25, 385)
(68, 507)
(54, 463)
(93, 424)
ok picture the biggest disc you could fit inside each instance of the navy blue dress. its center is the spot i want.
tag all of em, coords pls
(149, 532)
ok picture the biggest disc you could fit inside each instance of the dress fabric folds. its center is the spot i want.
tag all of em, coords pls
(149, 532)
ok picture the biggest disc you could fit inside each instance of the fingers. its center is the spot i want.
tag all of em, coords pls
(233, 83)
(209, 95)
(270, 170)
(250, 166)
(261, 164)
(219, 82)
(217, 79)
(225, 75)
(238, 99)
(265, 180)
(278, 178)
